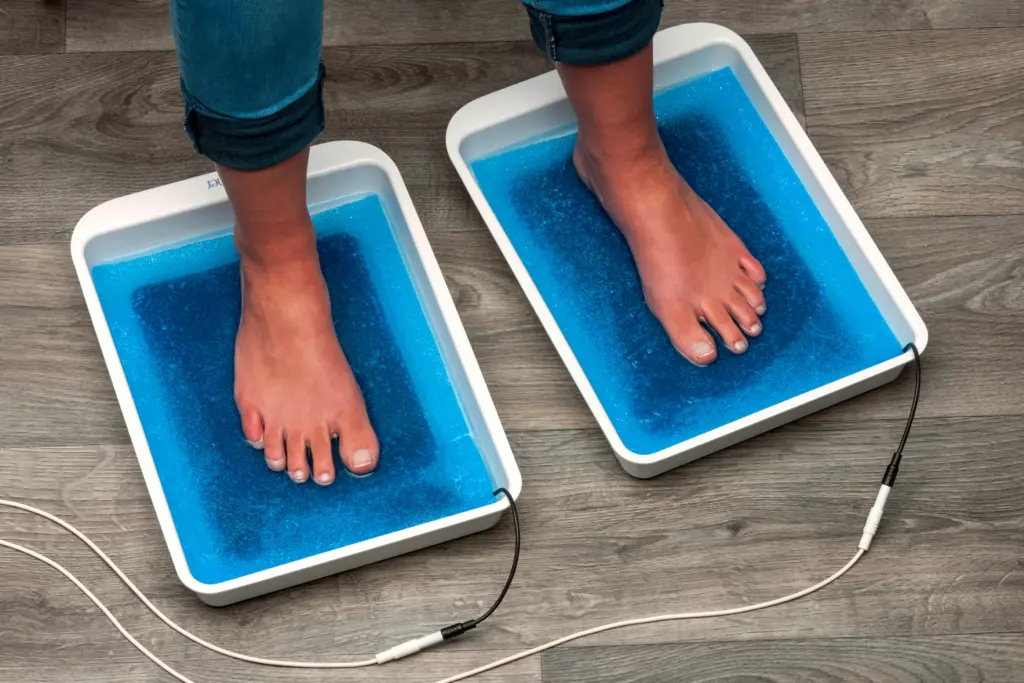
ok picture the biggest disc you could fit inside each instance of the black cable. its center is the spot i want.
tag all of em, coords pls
(455, 630)
(889, 478)
(515, 558)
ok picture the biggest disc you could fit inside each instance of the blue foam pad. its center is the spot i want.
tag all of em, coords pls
(173, 315)
(821, 323)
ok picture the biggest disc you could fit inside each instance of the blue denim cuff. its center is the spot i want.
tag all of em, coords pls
(254, 144)
(599, 38)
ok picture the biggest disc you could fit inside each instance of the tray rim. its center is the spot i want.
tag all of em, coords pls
(671, 43)
(202, 191)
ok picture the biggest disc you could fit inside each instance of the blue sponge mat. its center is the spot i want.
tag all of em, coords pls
(821, 323)
(173, 315)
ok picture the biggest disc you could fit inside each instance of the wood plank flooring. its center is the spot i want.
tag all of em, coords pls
(31, 26)
(994, 658)
(102, 25)
(918, 109)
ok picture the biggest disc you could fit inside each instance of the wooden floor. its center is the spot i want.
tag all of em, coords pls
(917, 106)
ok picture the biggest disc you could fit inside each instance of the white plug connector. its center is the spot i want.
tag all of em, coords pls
(410, 647)
(874, 518)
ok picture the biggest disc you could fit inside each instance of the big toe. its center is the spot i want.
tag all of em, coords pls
(357, 444)
(689, 336)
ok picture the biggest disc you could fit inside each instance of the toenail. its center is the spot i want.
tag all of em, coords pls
(298, 476)
(362, 458)
(276, 465)
(703, 350)
(761, 308)
(740, 346)
(258, 445)
(755, 329)
(324, 478)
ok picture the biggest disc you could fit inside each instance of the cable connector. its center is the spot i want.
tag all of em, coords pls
(456, 630)
(893, 469)
(874, 517)
(410, 647)
(889, 478)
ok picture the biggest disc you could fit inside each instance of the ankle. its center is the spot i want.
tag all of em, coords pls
(284, 250)
(623, 145)
(283, 270)
(600, 164)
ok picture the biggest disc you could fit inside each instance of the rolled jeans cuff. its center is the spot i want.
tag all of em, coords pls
(251, 144)
(591, 40)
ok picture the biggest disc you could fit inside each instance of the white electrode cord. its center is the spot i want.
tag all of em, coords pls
(408, 648)
(417, 644)
(653, 620)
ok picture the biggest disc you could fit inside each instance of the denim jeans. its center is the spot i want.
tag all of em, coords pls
(252, 77)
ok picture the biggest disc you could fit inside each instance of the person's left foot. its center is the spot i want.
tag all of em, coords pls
(694, 269)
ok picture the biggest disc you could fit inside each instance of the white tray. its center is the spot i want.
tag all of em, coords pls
(539, 106)
(196, 207)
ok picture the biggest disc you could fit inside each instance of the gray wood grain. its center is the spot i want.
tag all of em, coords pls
(55, 387)
(921, 123)
(997, 658)
(117, 128)
(97, 660)
(68, 144)
(127, 25)
(914, 124)
(31, 26)
(758, 16)
(765, 519)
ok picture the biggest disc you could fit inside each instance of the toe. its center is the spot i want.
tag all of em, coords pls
(718, 317)
(298, 463)
(744, 315)
(753, 268)
(358, 443)
(751, 293)
(273, 449)
(252, 427)
(323, 465)
(689, 337)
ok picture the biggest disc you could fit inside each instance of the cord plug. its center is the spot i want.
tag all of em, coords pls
(874, 517)
(456, 630)
(889, 478)
(409, 647)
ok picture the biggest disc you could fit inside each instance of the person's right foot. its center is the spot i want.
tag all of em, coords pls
(293, 386)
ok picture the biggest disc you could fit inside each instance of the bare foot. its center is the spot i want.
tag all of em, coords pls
(693, 267)
(293, 385)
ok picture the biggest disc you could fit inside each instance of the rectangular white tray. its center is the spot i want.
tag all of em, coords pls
(539, 106)
(197, 207)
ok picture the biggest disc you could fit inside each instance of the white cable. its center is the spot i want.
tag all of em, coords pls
(652, 620)
(417, 644)
(153, 608)
(103, 608)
